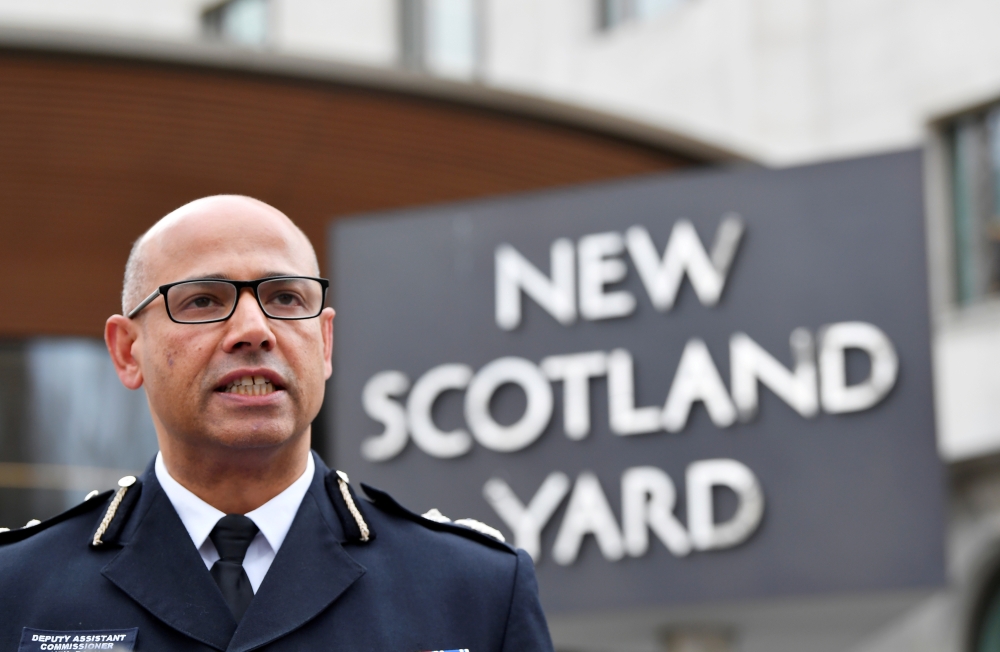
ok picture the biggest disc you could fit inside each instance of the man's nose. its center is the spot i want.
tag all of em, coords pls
(248, 328)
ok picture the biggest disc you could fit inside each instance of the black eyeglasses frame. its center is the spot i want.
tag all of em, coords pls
(239, 285)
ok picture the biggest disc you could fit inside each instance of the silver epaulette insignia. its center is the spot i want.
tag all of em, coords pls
(471, 523)
(481, 527)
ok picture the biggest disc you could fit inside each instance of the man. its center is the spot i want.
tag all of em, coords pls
(237, 537)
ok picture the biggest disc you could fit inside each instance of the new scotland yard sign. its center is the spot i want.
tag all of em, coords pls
(689, 387)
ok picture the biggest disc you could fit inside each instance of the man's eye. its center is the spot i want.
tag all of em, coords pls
(200, 302)
(286, 299)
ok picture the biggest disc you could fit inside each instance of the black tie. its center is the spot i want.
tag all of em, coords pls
(232, 536)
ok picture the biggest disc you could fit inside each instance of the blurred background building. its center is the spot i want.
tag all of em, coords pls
(112, 113)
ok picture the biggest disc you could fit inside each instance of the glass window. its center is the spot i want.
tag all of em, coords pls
(648, 9)
(67, 426)
(612, 13)
(451, 37)
(243, 22)
(442, 37)
(974, 141)
(986, 618)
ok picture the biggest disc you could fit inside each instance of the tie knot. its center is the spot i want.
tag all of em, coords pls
(232, 536)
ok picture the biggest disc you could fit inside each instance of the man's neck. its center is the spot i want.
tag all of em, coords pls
(236, 481)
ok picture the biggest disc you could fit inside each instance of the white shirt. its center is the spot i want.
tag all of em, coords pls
(273, 518)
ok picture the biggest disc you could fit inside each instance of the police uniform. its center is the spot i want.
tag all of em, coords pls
(351, 575)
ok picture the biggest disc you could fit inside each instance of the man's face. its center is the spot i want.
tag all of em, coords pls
(189, 370)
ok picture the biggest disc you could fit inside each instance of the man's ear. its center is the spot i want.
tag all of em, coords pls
(120, 334)
(326, 324)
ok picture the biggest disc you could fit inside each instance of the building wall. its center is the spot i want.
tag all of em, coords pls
(784, 80)
(967, 357)
(165, 19)
(95, 150)
(362, 32)
(788, 80)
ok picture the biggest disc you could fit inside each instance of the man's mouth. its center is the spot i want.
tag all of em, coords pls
(250, 386)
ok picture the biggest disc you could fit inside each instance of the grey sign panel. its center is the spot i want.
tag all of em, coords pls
(750, 412)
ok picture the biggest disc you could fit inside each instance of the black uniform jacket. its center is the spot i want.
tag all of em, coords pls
(414, 585)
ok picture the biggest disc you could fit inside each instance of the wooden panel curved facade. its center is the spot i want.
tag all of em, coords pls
(94, 149)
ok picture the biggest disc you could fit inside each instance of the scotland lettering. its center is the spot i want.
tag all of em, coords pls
(576, 287)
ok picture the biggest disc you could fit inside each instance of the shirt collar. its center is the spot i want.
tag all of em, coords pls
(273, 518)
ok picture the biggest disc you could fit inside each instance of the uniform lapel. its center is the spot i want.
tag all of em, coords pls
(310, 571)
(160, 569)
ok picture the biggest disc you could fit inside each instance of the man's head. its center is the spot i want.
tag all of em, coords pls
(188, 368)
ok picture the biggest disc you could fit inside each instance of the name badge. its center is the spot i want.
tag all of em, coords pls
(39, 640)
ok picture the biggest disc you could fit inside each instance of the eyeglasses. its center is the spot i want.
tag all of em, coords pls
(203, 301)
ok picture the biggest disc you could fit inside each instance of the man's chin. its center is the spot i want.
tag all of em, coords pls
(254, 436)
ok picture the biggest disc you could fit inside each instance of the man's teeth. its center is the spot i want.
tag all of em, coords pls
(250, 386)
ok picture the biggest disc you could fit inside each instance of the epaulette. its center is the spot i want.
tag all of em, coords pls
(434, 520)
(345, 503)
(90, 503)
(115, 517)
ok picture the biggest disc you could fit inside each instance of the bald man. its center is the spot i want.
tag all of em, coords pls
(237, 536)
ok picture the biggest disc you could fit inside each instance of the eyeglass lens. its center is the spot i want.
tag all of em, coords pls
(281, 298)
